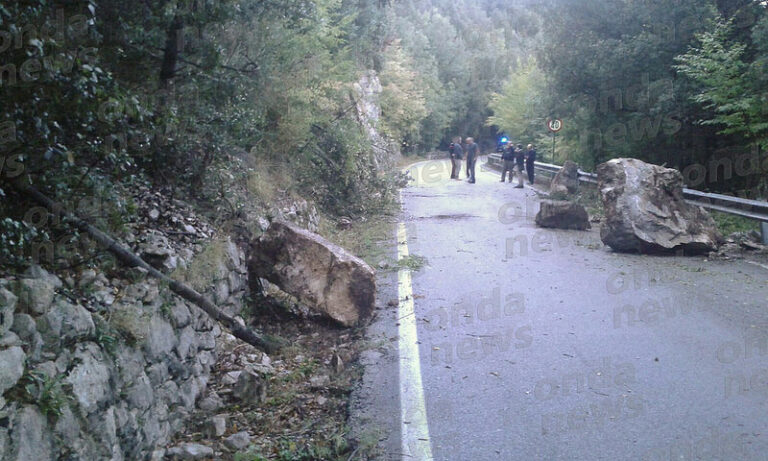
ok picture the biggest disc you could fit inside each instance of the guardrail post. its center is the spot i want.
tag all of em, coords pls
(764, 232)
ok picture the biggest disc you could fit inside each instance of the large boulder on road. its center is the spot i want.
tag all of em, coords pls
(320, 274)
(562, 215)
(566, 180)
(645, 210)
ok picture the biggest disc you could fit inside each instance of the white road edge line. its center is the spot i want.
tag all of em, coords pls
(414, 428)
(755, 263)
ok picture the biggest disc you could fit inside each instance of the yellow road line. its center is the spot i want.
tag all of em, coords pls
(416, 444)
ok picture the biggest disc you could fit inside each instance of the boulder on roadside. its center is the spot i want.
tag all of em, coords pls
(562, 215)
(645, 210)
(320, 274)
(566, 181)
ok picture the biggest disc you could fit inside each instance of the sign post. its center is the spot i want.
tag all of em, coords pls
(554, 125)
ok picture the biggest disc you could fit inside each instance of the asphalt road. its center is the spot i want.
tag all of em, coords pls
(546, 345)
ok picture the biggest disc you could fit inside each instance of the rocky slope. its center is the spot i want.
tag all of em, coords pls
(111, 365)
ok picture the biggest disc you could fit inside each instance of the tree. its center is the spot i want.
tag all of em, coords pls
(726, 84)
(403, 105)
(518, 109)
(610, 77)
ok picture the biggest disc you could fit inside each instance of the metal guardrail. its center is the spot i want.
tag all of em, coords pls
(546, 168)
(750, 209)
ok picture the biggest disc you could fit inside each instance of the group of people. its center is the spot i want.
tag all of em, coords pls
(515, 160)
(456, 152)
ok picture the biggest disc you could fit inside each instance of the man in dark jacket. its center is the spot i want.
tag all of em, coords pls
(508, 162)
(473, 151)
(530, 158)
(456, 154)
(519, 165)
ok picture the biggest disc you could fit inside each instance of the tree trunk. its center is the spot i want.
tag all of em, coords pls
(132, 260)
(173, 43)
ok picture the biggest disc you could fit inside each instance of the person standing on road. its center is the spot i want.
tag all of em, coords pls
(473, 151)
(456, 154)
(530, 158)
(519, 165)
(508, 162)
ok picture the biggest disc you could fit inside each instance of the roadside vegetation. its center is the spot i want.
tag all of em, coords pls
(728, 223)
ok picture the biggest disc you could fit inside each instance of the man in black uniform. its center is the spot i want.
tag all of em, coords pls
(519, 165)
(530, 158)
(456, 154)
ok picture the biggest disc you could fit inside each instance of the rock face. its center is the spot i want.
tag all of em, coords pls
(566, 180)
(66, 321)
(7, 307)
(320, 274)
(645, 210)
(562, 215)
(29, 439)
(11, 367)
(35, 295)
(368, 91)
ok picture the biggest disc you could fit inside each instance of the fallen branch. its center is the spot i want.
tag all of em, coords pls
(132, 260)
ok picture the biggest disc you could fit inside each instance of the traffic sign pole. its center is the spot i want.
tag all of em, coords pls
(554, 125)
(554, 135)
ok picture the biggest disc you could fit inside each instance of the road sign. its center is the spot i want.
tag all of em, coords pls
(555, 125)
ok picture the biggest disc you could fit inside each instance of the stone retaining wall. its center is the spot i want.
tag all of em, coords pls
(111, 375)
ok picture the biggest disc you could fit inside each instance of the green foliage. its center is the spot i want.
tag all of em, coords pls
(17, 240)
(462, 51)
(244, 82)
(728, 223)
(47, 393)
(338, 169)
(669, 83)
(726, 84)
(412, 262)
(301, 373)
(517, 108)
(331, 449)
(107, 340)
(403, 104)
